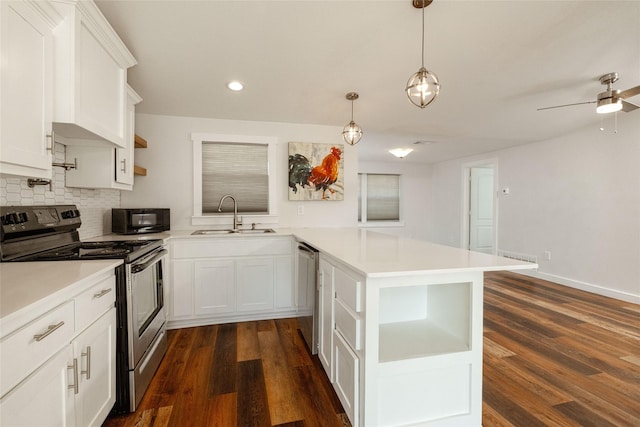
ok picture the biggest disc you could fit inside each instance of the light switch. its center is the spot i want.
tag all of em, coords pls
(300, 209)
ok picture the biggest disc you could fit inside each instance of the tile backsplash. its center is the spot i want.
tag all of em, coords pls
(94, 205)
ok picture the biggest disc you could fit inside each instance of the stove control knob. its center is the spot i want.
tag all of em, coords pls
(72, 213)
(22, 217)
(10, 219)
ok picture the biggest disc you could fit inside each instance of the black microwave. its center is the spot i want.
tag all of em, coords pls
(138, 221)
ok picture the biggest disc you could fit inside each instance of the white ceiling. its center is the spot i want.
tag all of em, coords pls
(497, 61)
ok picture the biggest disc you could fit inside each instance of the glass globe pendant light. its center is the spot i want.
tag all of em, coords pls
(423, 87)
(351, 133)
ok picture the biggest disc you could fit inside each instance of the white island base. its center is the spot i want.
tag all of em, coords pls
(400, 327)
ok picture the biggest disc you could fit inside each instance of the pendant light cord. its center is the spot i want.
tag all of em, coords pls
(423, 6)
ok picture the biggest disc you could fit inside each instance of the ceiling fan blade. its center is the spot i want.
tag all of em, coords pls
(629, 92)
(566, 105)
(627, 106)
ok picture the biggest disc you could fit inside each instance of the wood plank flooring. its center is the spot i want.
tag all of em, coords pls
(553, 356)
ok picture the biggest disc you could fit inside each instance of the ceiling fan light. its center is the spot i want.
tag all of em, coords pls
(609, 105)
(401, 152)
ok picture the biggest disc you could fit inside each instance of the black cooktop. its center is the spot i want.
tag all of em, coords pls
(116, 249)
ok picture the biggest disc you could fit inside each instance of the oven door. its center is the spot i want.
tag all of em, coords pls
(145, 302)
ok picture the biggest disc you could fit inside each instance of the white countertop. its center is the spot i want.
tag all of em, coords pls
(23, 285)
(377, 255)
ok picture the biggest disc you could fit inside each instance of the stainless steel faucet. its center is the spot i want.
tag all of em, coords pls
(235, 210)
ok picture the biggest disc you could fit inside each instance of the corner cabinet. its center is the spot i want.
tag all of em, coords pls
(403, 350)
(26, 87)
(91, 63)
(58, 368)
(230, 279)
(105, 166)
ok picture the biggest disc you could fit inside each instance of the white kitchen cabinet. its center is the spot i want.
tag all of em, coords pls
(325, 316)
(346, 377)
(44, 398)
(213, 286)
(94, 349)
(255, 284)
(91, 62)
(58, 367)
(26, 88)
(229, 279)
(105, 166)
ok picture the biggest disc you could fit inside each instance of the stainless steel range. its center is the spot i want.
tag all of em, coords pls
(49, 233)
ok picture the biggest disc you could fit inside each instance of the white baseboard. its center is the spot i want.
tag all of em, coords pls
(234, 318)
(583, 286)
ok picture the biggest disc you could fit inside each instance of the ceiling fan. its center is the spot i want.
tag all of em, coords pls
(611, 100)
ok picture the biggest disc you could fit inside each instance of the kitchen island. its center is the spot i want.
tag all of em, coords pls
(400, 326)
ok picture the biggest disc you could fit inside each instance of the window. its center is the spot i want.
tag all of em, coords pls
(379, 199)
(235, 165)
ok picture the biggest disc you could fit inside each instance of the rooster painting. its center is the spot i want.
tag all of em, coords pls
(309, 182)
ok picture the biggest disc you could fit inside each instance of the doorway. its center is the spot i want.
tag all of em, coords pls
(479, 224)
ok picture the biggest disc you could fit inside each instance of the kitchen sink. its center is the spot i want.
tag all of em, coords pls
(242, 231)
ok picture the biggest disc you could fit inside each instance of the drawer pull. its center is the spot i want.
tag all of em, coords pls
(49, 331)
(74, 367)
(87, 354)
(102, 293)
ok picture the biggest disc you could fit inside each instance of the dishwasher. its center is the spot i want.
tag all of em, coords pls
(308, 294)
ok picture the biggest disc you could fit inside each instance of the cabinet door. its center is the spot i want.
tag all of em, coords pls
(44, 398)
(346, 377)
(26, 91)
(325, 313)
(284, 283)
(255, 284)
(214, 286)
(180, 295)
(95, 351)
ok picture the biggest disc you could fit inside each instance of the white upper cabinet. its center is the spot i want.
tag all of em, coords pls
(26, 87)
(90, 86)
(105, 166)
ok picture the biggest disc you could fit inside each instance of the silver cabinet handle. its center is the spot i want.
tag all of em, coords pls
(88, 356)
(124, 165)
(51, 136)
(74, 367)
(102, 293)
(49, 331)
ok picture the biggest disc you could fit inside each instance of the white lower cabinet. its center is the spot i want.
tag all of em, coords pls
(58, 368)
(325, 316)
(213, 287)
(93, 350)
(346, 377)
(44, 398)
(220, 279)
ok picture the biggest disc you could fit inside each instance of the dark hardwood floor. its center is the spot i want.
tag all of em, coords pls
(553, 356)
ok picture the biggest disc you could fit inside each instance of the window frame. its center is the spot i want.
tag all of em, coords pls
(200, 218)
(362, 203)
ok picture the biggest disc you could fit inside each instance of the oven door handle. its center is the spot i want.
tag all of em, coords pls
(138, 267)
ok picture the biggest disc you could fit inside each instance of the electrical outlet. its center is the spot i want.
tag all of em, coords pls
(547, 255)
(300, 209)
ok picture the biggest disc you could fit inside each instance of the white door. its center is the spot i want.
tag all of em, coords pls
(481, 209)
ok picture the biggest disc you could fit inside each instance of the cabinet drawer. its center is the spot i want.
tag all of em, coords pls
(93, 302)
(30, 346)
(348, 290)
(348, 324)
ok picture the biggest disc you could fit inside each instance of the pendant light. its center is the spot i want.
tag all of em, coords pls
(423, 87)
(351, 131)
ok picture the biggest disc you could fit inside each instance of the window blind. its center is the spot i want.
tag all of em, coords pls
(383, 197)
(238, 169)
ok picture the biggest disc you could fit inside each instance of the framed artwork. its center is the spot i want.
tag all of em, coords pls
(316, 171)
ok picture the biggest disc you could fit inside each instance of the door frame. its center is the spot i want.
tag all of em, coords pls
(466, 193)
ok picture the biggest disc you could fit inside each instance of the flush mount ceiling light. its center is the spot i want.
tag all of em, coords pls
(401, 152)
(423, 87)
(235, 86)
(351, 131)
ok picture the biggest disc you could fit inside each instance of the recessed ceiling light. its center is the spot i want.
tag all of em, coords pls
(235, 86)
